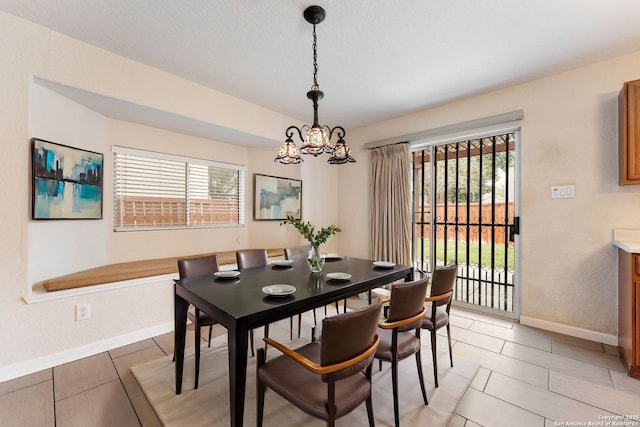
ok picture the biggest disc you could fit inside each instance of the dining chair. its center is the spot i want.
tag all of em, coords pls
(197, 267)
(297, 253)
(249, 258)
(400, 333)
(326, 379)
(437, 314)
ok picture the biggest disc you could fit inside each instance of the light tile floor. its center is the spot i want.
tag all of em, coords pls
(528, 377)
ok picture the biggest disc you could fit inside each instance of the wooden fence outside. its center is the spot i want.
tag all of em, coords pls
(480, 221)
(153, 211)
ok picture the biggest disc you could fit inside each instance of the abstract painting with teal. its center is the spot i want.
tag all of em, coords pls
(67, 182)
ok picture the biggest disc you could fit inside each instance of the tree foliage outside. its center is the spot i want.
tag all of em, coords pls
(466, 180)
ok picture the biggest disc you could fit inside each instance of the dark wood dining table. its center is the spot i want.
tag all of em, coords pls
(240, 305)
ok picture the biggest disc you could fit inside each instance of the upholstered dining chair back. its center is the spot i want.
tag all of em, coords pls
(347, 335)
(407, 300)
(297, 253)
(249, 258)
(198, 266)
(442, 281)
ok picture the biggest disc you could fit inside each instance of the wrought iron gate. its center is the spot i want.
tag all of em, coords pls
(464, 212)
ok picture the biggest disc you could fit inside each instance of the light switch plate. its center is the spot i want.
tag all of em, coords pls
(563, 191)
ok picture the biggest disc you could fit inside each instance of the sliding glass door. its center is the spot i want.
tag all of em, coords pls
(465, 212)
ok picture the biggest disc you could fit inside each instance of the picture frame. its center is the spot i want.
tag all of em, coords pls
(275, 197)
(67, 182)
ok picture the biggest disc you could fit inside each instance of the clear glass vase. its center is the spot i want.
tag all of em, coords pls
(315, 260)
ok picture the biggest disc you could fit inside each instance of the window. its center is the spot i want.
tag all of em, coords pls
(155, 191)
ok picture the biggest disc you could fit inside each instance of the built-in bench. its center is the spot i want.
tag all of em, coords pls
(134, 270)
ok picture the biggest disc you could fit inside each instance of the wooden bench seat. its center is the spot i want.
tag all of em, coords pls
(133, 270)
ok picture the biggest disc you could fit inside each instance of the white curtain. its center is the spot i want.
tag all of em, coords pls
(391, 204)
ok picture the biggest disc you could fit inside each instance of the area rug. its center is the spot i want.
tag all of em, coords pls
(209, 404)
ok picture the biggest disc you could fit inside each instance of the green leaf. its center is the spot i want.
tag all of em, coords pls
(308, 231)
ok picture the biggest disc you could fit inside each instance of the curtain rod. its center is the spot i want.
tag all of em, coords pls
(497, 119)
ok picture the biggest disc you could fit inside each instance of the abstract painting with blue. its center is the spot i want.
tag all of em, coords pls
(276, 198)
(67, 182)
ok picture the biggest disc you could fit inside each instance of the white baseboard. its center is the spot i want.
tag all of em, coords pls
(570, 330)
(30, 366)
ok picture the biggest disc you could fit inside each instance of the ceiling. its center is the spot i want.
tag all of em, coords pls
(377, 59)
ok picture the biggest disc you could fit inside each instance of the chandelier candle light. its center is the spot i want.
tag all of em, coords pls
(316, 141)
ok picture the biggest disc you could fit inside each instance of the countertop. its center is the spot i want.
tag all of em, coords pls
(627, 239)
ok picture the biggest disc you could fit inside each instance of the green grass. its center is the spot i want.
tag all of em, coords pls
(475, 258)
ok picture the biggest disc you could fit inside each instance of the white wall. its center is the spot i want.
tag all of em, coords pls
(569, 136)
(61, 245)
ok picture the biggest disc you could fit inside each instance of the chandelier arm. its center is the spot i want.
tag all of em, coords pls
(289, 132)
(339, 131)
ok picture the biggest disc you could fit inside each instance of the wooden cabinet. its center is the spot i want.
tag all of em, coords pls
(629, 310)
(629, 133)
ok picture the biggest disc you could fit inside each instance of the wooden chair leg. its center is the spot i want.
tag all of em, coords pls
(197, 347)
(251, 342)
(300, 322)
(210, 330)
(435, 357)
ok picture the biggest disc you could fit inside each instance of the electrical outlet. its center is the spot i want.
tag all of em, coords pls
(83, 312)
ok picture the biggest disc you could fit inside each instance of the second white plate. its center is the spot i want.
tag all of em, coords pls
(279, 290)
(384, 264)
(338, 276)
(227, 274)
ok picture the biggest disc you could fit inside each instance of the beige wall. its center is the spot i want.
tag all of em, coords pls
(569, 136)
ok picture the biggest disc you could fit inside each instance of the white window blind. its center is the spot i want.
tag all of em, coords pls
(155, 190)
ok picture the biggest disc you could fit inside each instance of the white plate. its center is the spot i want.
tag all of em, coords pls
(226, 274)
(338, 276)
(283, 263)
(384, 264)
(279, 290)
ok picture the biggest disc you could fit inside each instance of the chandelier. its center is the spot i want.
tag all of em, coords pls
(317, 138)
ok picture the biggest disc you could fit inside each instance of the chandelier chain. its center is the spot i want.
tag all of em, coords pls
(315, 60)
